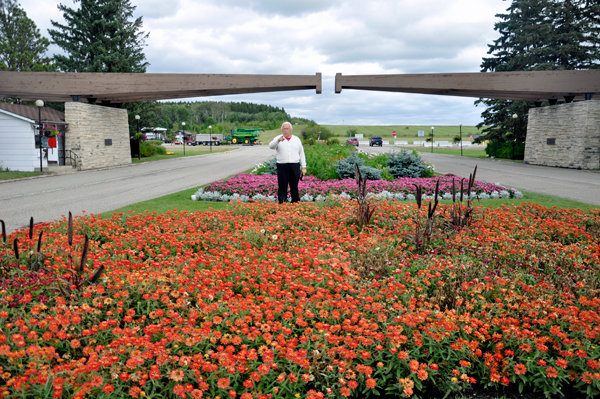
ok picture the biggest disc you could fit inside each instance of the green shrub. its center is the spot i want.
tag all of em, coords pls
(332, 141)
(149, 148)
(321, 159)
(406, 164)
(267, 168)
(504, 150)
(315, 132)
(346, 169)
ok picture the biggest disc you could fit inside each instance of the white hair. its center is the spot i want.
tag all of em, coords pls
(291, 127)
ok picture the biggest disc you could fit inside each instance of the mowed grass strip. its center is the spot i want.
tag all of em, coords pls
(10, 175)
(181, 201)
(467, 152)
(440, 133)
(177, 151)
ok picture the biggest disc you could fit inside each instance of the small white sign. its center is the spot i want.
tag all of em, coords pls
(421, 133)
(358, 136)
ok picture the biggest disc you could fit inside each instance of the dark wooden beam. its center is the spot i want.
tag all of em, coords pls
(526, 86)
(133, 87)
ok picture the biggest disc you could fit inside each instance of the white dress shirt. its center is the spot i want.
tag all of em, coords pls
(289, 151)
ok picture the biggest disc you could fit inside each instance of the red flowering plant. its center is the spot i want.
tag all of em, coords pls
(265, 301)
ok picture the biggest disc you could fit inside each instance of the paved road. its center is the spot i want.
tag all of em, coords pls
(48, 198)
(578, 185)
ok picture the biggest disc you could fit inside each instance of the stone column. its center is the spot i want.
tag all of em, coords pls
(99, 136)
(564, 135)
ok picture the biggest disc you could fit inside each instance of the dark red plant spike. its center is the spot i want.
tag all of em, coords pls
(84, 254)
(453, 190)
(16, 247)
(70, 229)
(418, 188)
(39, 246)
(31, 228)
(3, 230)
(97, 275)
(462, 190)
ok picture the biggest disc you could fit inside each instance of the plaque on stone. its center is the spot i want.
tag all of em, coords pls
(107, 141)
(551, 141)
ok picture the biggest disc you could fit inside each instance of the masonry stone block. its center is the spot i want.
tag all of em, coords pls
(564, 135)
(91, 129)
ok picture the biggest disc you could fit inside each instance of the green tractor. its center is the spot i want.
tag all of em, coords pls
(246, 136)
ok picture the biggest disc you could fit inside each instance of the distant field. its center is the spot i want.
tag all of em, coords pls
(406, 132)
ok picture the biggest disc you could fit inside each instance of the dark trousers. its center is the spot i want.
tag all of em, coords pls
(288, 173)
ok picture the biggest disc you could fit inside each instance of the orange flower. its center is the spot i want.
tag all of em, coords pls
(177, 375)
(520, 369)
(371, 383)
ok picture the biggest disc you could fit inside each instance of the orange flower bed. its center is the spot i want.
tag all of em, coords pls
(284, 301)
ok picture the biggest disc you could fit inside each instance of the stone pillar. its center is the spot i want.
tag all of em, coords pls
(564, 135)
(99, 136)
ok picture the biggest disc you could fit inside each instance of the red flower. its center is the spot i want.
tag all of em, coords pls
(551, 372)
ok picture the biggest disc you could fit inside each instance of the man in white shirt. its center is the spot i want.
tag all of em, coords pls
(290, 159)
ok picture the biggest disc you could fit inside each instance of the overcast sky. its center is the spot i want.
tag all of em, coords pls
(328, 36)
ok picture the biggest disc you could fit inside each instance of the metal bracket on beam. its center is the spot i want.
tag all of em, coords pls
(569, 99)
(91, 100)
(552, 101)
(75, 98)
(588, 96)
(537, 104)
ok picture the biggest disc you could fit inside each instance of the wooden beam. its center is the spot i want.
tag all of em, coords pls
(133, 87)
(526, 86)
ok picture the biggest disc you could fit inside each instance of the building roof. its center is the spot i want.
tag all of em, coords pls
(31, 112)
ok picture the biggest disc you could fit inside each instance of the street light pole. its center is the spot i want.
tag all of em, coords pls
(40, 104)
(139, 140)
(460, 127)
(210, 137)
(432, 139)
(183, 132)
(515, 116)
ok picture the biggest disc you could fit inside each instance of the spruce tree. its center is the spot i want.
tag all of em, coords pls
(22, 48)
(537, 35)
(100, 36)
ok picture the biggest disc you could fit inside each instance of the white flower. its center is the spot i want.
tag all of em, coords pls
(274, 237)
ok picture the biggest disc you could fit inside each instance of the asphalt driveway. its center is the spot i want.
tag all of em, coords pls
(50, 197)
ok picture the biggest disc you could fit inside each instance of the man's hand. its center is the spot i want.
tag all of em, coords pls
(303, 171)
(281, 138)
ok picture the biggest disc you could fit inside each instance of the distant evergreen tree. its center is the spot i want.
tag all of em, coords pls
(100, 36)
(22, 48)
(537, 35)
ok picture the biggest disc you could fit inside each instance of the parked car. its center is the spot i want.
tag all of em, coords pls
(352, 141)
(375, 140)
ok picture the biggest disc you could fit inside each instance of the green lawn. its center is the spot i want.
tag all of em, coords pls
(177, 151)
(8, 175)
(406, 132)
(467, 152)
(182, 202)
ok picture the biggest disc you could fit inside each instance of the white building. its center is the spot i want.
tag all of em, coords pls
(18, 148)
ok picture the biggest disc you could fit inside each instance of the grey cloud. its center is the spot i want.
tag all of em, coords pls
(157, 8)
(282, 7)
